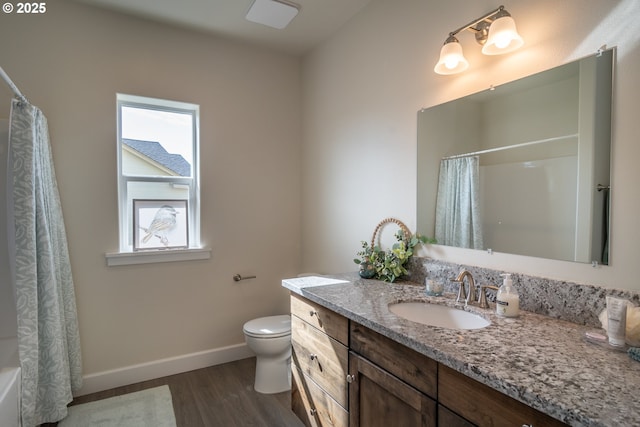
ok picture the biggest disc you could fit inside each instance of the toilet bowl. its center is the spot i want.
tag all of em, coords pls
(270, 339)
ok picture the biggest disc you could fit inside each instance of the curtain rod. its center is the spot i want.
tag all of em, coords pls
(524, 144)
(13, 87)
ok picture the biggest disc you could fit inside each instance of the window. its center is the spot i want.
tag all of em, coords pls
(158, 191)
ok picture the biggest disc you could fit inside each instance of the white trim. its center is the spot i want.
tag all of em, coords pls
(149, 257)
(106, 380)
(124, 206)
(164, 103)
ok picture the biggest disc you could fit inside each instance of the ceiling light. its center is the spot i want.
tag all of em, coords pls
(272, 13)
(496, 31)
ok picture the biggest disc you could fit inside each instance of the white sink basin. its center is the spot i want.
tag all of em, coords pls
(438, 315)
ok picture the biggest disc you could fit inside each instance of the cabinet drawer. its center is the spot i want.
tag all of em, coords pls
(327, 321)
(410, 366)
(313, 405)
(320, 357)
(483, 405)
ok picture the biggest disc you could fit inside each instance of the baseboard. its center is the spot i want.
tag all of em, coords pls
(161, 368)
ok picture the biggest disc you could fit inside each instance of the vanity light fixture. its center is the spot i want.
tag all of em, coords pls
(495, 31)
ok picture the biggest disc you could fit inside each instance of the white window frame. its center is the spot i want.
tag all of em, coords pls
(195, 251)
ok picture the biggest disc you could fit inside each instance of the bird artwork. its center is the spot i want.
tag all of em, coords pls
(163, 222)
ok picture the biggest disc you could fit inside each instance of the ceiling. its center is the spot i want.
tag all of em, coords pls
(315, 22)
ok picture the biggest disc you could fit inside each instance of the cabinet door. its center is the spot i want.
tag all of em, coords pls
(379, 399)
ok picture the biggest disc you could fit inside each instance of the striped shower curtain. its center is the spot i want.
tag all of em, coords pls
(48, 336)
(458, 221)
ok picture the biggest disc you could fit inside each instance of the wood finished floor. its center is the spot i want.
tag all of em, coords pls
(221, 395)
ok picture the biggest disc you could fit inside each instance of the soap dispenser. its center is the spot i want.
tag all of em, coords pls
(507, 299)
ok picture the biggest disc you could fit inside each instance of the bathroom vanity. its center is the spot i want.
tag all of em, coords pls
(356, 363)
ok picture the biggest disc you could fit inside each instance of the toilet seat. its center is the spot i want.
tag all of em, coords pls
(268, 327)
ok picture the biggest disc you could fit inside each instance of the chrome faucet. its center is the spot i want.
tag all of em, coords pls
(470, 295)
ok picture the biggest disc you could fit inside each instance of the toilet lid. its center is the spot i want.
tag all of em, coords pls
(272, 326)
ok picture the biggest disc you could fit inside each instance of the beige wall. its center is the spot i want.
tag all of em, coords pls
(71, 62)
(359, 92)
(362, 91)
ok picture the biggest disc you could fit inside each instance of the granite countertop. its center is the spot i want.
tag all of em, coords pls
(541, 361)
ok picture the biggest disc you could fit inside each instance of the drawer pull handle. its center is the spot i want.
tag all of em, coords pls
(313, 412)
(315, 357)
(313, 313)
(527, 425)
(351, 378)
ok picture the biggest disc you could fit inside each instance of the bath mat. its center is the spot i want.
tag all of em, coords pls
(147, 408)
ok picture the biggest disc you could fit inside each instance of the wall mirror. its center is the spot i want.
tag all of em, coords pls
(522, 168)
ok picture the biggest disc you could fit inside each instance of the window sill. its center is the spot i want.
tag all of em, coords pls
(149, 257)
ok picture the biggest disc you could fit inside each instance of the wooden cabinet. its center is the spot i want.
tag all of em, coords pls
(390, 384)
(417, 370)
(379, 399)
(319, 339)
(482, 405)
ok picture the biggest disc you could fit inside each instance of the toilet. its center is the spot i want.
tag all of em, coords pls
(270, 339)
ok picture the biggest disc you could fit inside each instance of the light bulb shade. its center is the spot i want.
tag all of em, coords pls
(451, 60)
(503, 37)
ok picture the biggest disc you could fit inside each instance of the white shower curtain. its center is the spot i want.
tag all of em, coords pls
(458, 220)
(48, 337)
